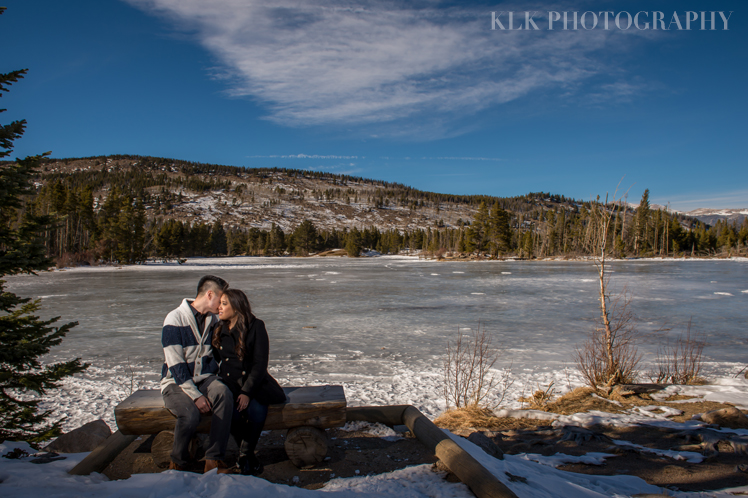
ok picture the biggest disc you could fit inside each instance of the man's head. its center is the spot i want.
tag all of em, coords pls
(209, 291)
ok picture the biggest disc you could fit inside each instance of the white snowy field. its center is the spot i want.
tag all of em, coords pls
(84, 399)
(527, 475)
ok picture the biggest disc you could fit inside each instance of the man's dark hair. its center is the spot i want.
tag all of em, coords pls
(210, 282)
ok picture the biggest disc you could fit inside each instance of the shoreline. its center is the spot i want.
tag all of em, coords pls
(235, 261)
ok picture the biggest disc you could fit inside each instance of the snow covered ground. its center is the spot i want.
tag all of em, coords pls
(527, 475)
(84, 399)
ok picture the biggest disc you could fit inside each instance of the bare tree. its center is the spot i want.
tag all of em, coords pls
(468, 379)
(609, 356)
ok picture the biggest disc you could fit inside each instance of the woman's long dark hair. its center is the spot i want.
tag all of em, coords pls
(240, 304)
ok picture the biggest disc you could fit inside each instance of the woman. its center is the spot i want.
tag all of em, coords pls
(240, 345)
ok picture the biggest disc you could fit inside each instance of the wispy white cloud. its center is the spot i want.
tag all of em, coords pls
(305, 156)
(318, 156)
(463, 158)
(337, 62)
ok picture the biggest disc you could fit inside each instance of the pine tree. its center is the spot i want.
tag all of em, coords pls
(353, 244)
(501, 232)
(24, 338)
(218, 242)
(642, 219)
(305, 237)
(478, 230)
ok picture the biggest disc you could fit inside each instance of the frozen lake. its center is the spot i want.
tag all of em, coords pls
(348, 316)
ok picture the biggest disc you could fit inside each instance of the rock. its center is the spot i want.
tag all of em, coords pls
(84, 438)
(481, 440)
(726, 417)
(47, 458)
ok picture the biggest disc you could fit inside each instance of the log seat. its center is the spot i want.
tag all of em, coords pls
(313, 408)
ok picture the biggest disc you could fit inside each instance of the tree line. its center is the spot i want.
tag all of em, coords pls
(119, 230)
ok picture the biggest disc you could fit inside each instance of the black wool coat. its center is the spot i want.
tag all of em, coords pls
(249, 375)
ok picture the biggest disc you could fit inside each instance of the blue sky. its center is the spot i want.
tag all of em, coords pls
(423, 93)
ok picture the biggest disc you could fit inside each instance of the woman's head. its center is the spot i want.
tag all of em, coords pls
(234, 311)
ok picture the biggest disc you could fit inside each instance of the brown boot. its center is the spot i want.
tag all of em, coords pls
(174, 466)
(215, 464)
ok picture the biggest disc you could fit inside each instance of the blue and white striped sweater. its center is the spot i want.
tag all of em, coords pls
(188, 353)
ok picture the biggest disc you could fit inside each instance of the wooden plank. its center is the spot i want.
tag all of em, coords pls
(103, 454)
(317, 406)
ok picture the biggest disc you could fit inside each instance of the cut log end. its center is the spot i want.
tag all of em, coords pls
(306, 446)
(162, 446)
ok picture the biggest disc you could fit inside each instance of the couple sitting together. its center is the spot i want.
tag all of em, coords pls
(218, 365)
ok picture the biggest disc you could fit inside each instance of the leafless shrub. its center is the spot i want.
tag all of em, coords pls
(679, 362)
(129, 382)
(609, 356)
(468, 377)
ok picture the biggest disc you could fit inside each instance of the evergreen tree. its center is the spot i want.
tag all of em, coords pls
(478, 230)
(501, 232)
(642, 220)
(218, 243)
(353, 245)
(275, 243)
(305, 237)
(24, 338)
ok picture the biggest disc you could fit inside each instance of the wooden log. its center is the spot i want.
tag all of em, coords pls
(482, 482)
(317, 406)
(640, 388)
(391, 415)
(162, 446)
(306, 446)
(103, 455)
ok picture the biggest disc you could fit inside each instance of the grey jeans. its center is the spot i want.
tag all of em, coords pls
(188, 418)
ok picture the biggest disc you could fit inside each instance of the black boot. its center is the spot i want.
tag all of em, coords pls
(249, 465)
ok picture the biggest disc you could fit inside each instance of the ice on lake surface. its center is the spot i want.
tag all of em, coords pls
(375, 322)
(357, 316)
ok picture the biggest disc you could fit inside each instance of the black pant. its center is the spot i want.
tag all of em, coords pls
(188, 418)
(246, 427)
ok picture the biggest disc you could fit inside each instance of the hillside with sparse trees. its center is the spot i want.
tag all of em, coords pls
(126, 209)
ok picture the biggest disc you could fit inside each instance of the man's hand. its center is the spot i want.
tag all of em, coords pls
(242, 402)
(203, 405)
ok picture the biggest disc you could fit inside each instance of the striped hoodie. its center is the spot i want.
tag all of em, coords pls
(187, 351)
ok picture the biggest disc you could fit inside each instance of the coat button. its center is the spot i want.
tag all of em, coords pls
(243, 373)
(228, 374)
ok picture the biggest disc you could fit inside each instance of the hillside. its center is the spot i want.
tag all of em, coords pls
(240, 197)
(129, 208)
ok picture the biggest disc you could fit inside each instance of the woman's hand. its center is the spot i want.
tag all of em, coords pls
(242, 402)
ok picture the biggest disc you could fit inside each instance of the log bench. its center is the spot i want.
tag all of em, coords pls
(306, 413)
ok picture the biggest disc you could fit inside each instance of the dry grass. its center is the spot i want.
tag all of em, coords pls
(580, 400)
(473, 418)
(540, 398)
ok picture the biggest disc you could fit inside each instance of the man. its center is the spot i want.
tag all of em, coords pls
(189, 383)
